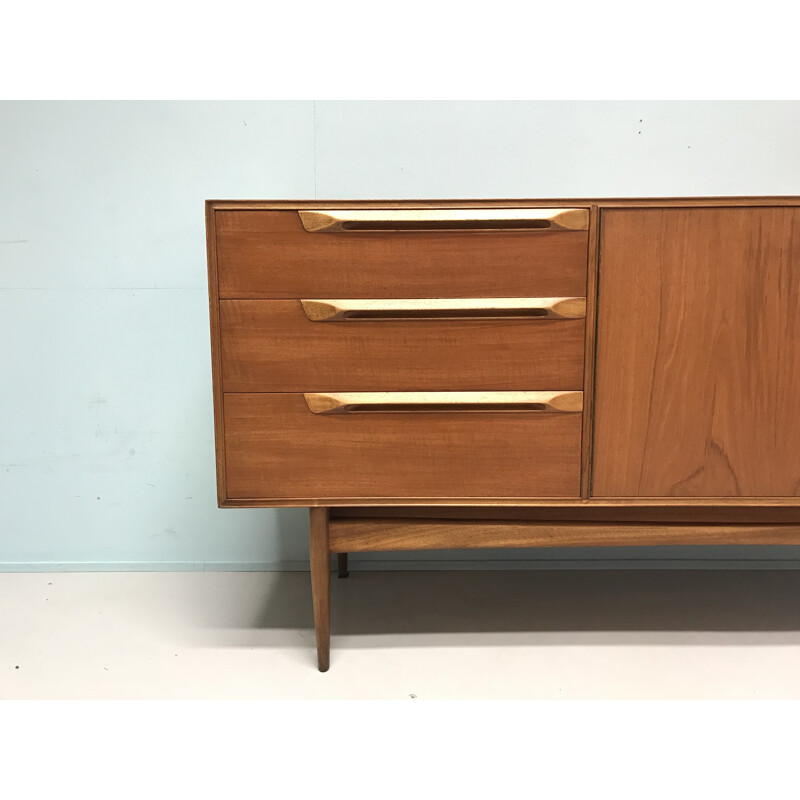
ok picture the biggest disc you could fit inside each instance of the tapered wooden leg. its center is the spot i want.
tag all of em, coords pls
(321, 584)
(341, 560)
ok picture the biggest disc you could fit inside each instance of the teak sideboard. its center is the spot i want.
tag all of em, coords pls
(526, 373)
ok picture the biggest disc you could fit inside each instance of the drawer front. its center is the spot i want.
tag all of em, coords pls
(271, 254)
(402, 445)
(286, 346)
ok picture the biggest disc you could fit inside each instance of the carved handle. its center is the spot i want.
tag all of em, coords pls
(433, 219)
(359, 402)
(546, 307)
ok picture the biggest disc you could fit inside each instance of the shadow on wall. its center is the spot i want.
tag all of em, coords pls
(290, 531)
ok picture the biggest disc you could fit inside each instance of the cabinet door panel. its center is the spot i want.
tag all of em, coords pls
(698, 353)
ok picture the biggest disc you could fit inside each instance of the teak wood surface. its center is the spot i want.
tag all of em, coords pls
(277, 448)
(320, 566)
(242, 225)
(698, 354)
(271, 346)
(269, 254)
(375, 534)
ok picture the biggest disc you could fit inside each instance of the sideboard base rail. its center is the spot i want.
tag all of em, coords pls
(342, 535)
(374, 534)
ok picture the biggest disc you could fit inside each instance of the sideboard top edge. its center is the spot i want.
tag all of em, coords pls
(612, 202)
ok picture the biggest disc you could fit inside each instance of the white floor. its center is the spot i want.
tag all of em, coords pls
(403, 635)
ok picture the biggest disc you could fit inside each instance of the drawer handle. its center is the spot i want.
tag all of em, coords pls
(444, 219)
(371, 402)
(543, 307)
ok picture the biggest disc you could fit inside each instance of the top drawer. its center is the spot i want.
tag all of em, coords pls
(403, 253)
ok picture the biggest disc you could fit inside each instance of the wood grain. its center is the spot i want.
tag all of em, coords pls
(276, 448)
(268, 254)
(320, 564)
(271, 346)
(359, 535)
(698, 354)
(677, 504)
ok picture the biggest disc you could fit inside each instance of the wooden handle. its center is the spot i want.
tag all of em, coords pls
(547, 307)
(437, 219)
(359, 402)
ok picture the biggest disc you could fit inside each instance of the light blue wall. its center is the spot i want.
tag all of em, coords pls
(106, 435)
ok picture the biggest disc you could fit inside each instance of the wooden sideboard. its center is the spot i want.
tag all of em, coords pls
(446, 374)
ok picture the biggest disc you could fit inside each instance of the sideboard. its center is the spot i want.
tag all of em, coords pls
(521, 373)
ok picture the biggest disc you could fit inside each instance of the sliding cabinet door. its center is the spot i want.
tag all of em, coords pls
(698, 353)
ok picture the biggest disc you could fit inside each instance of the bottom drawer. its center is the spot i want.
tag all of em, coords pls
(375, 445)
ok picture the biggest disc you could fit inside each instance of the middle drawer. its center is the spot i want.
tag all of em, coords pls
(410, 345)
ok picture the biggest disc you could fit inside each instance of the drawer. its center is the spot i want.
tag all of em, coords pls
(374, 345)
(402, 253)
(405, 445)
